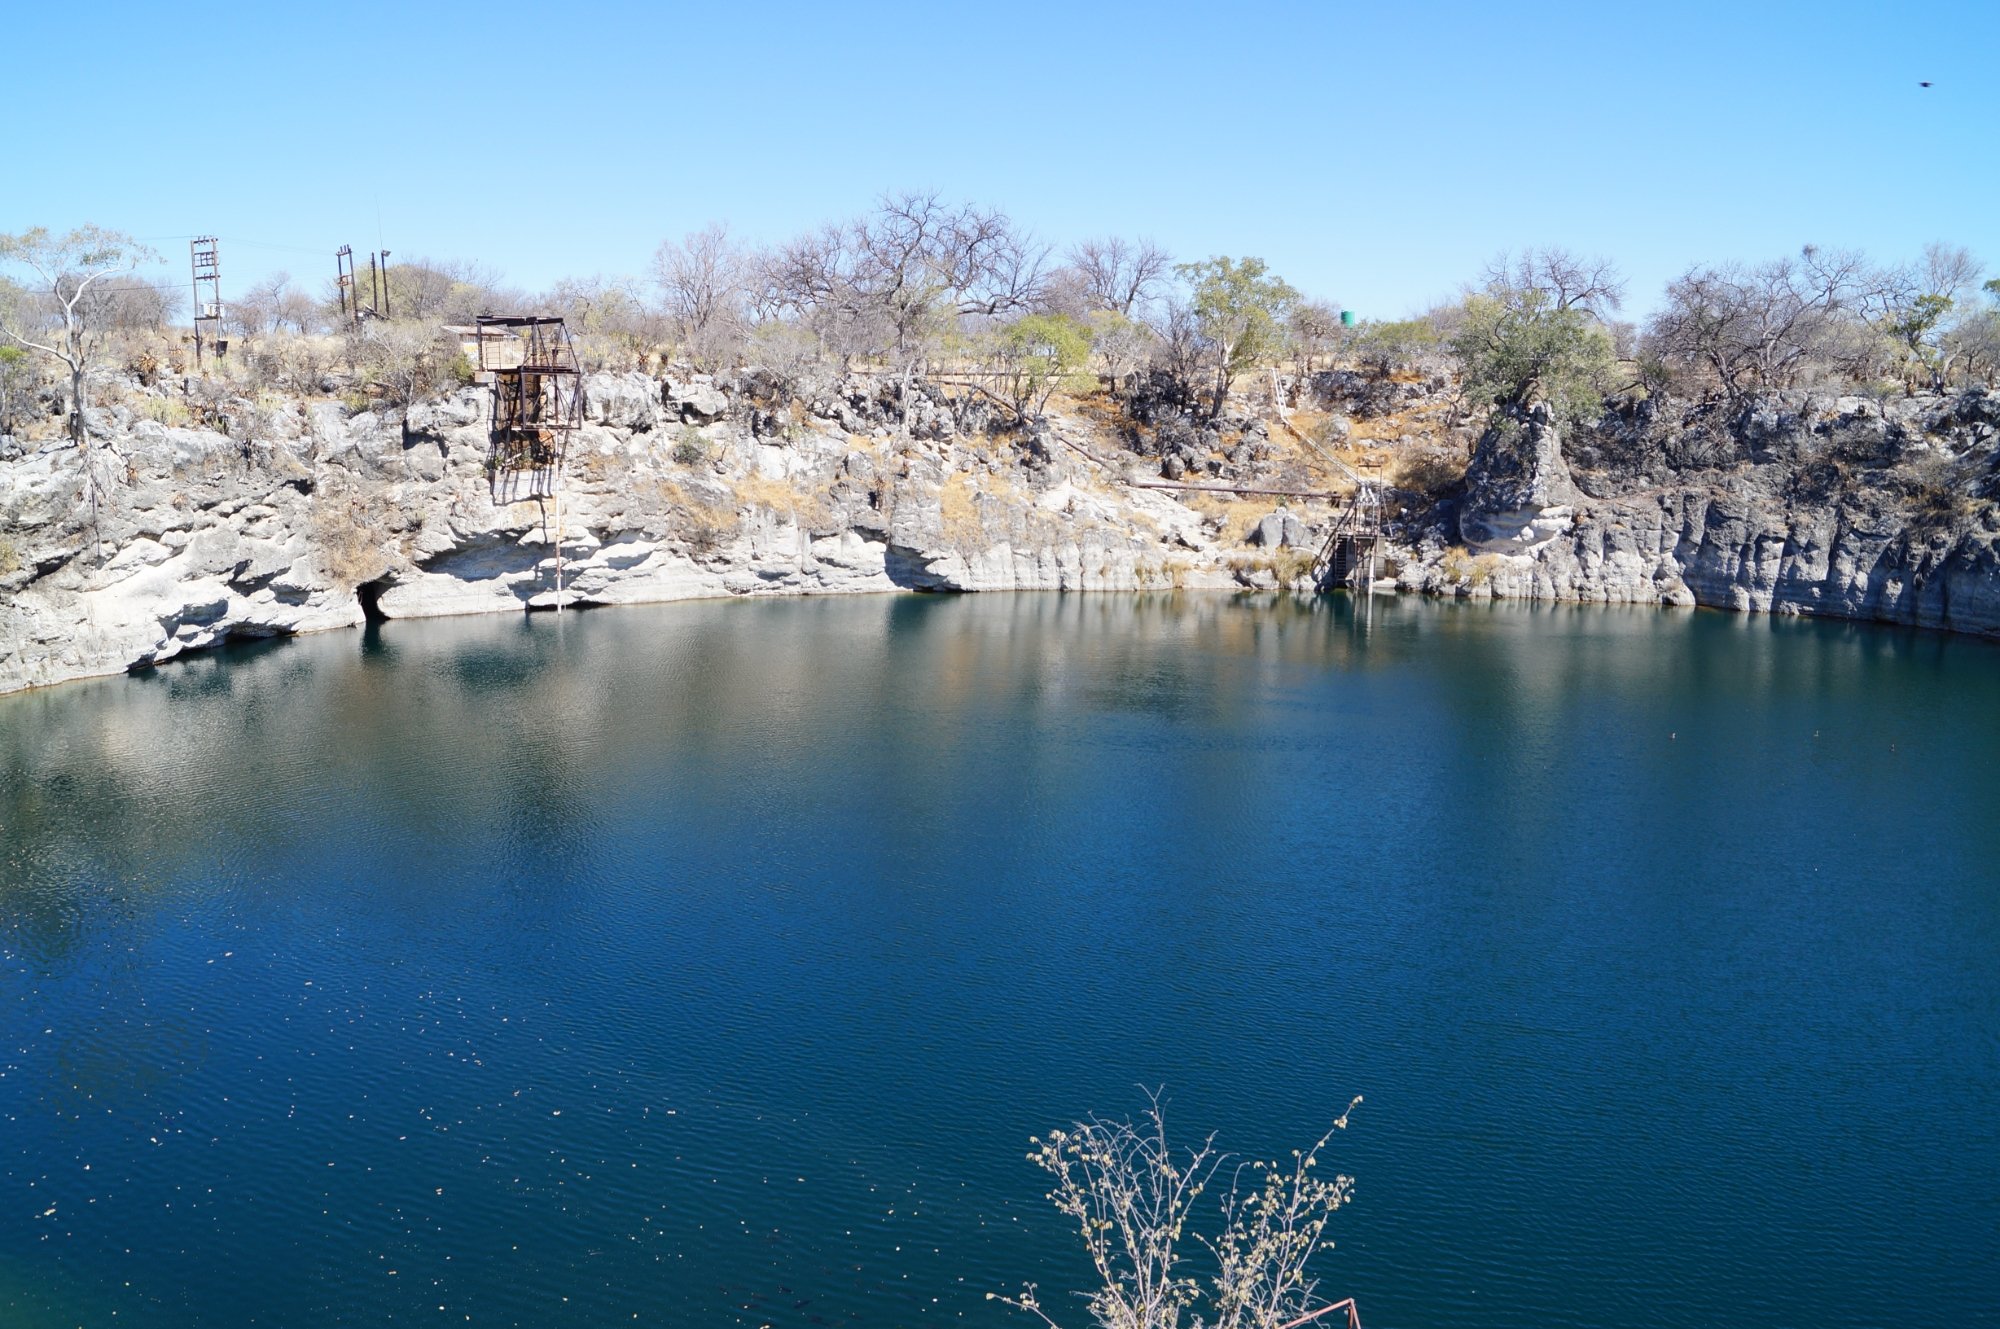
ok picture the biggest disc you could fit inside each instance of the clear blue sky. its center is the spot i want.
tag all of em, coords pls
(1373, 153)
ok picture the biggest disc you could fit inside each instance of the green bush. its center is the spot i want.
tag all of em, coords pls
(690, 448)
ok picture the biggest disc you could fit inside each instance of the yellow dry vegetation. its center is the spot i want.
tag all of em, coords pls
(1461, 566)
(1424, 421)
(702, 525)
(808, 507)
(1237, 515)
(959, 511)
(354, 536)
(965, 499)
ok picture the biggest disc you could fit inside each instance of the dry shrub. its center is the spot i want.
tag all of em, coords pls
(1290, 565)
(1234, 517)
(959, 510)
(691, 448)
(168, 411)
(355, 539)
(1430, 471)
(699, 524)
(808, 508)
(1939, 502)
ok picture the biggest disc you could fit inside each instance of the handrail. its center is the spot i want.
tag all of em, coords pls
(1353, 1315)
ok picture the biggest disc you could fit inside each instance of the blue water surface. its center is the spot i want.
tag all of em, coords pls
(712, 964)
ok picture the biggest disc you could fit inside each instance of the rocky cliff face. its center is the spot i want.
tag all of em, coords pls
(1849, 506)
(673, 491)
(322, 516)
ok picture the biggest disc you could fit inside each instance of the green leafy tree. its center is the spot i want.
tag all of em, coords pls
(1038, 355)
(1536, 333)
(1917, 306)
(1239, 311)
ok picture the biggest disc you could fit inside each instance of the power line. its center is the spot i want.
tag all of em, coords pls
(264, 244)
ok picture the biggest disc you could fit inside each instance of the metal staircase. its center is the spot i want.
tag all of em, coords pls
(1353, 548)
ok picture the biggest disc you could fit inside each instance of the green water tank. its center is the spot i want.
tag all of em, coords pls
(1347, 318)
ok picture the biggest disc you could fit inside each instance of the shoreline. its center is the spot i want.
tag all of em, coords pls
(366, 624)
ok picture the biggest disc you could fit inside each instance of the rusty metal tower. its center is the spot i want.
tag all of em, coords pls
(205, 259)
(537, 404)
(343, 281)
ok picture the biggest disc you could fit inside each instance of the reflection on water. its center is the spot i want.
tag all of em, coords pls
(712, 963)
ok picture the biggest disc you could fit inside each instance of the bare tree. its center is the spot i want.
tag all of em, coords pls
(406, 360)
(1974, 340)
(1133, 1198)
(924, 261)
(1744, 330)
(1178, 347)
(1120, 344)
(1315, 331)
(256, 310)
(274, 305)
(17, 378)
(434, 290)
(1592, 286)
(612, 325)
(1120, 277)
(896, 281)
(704, 281)
(77, 297)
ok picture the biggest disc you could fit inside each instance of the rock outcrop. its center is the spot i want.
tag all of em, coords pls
(1851, 507)
(1518, 491)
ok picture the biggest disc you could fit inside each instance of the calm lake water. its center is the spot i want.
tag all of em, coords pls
(711, 964)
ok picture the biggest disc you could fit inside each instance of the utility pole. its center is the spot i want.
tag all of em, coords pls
(385, 285)
(205, 260)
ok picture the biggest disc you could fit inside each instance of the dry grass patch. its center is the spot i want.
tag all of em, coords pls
(958, 510)
(806, 507)
(1235, 515)
(698, 523)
